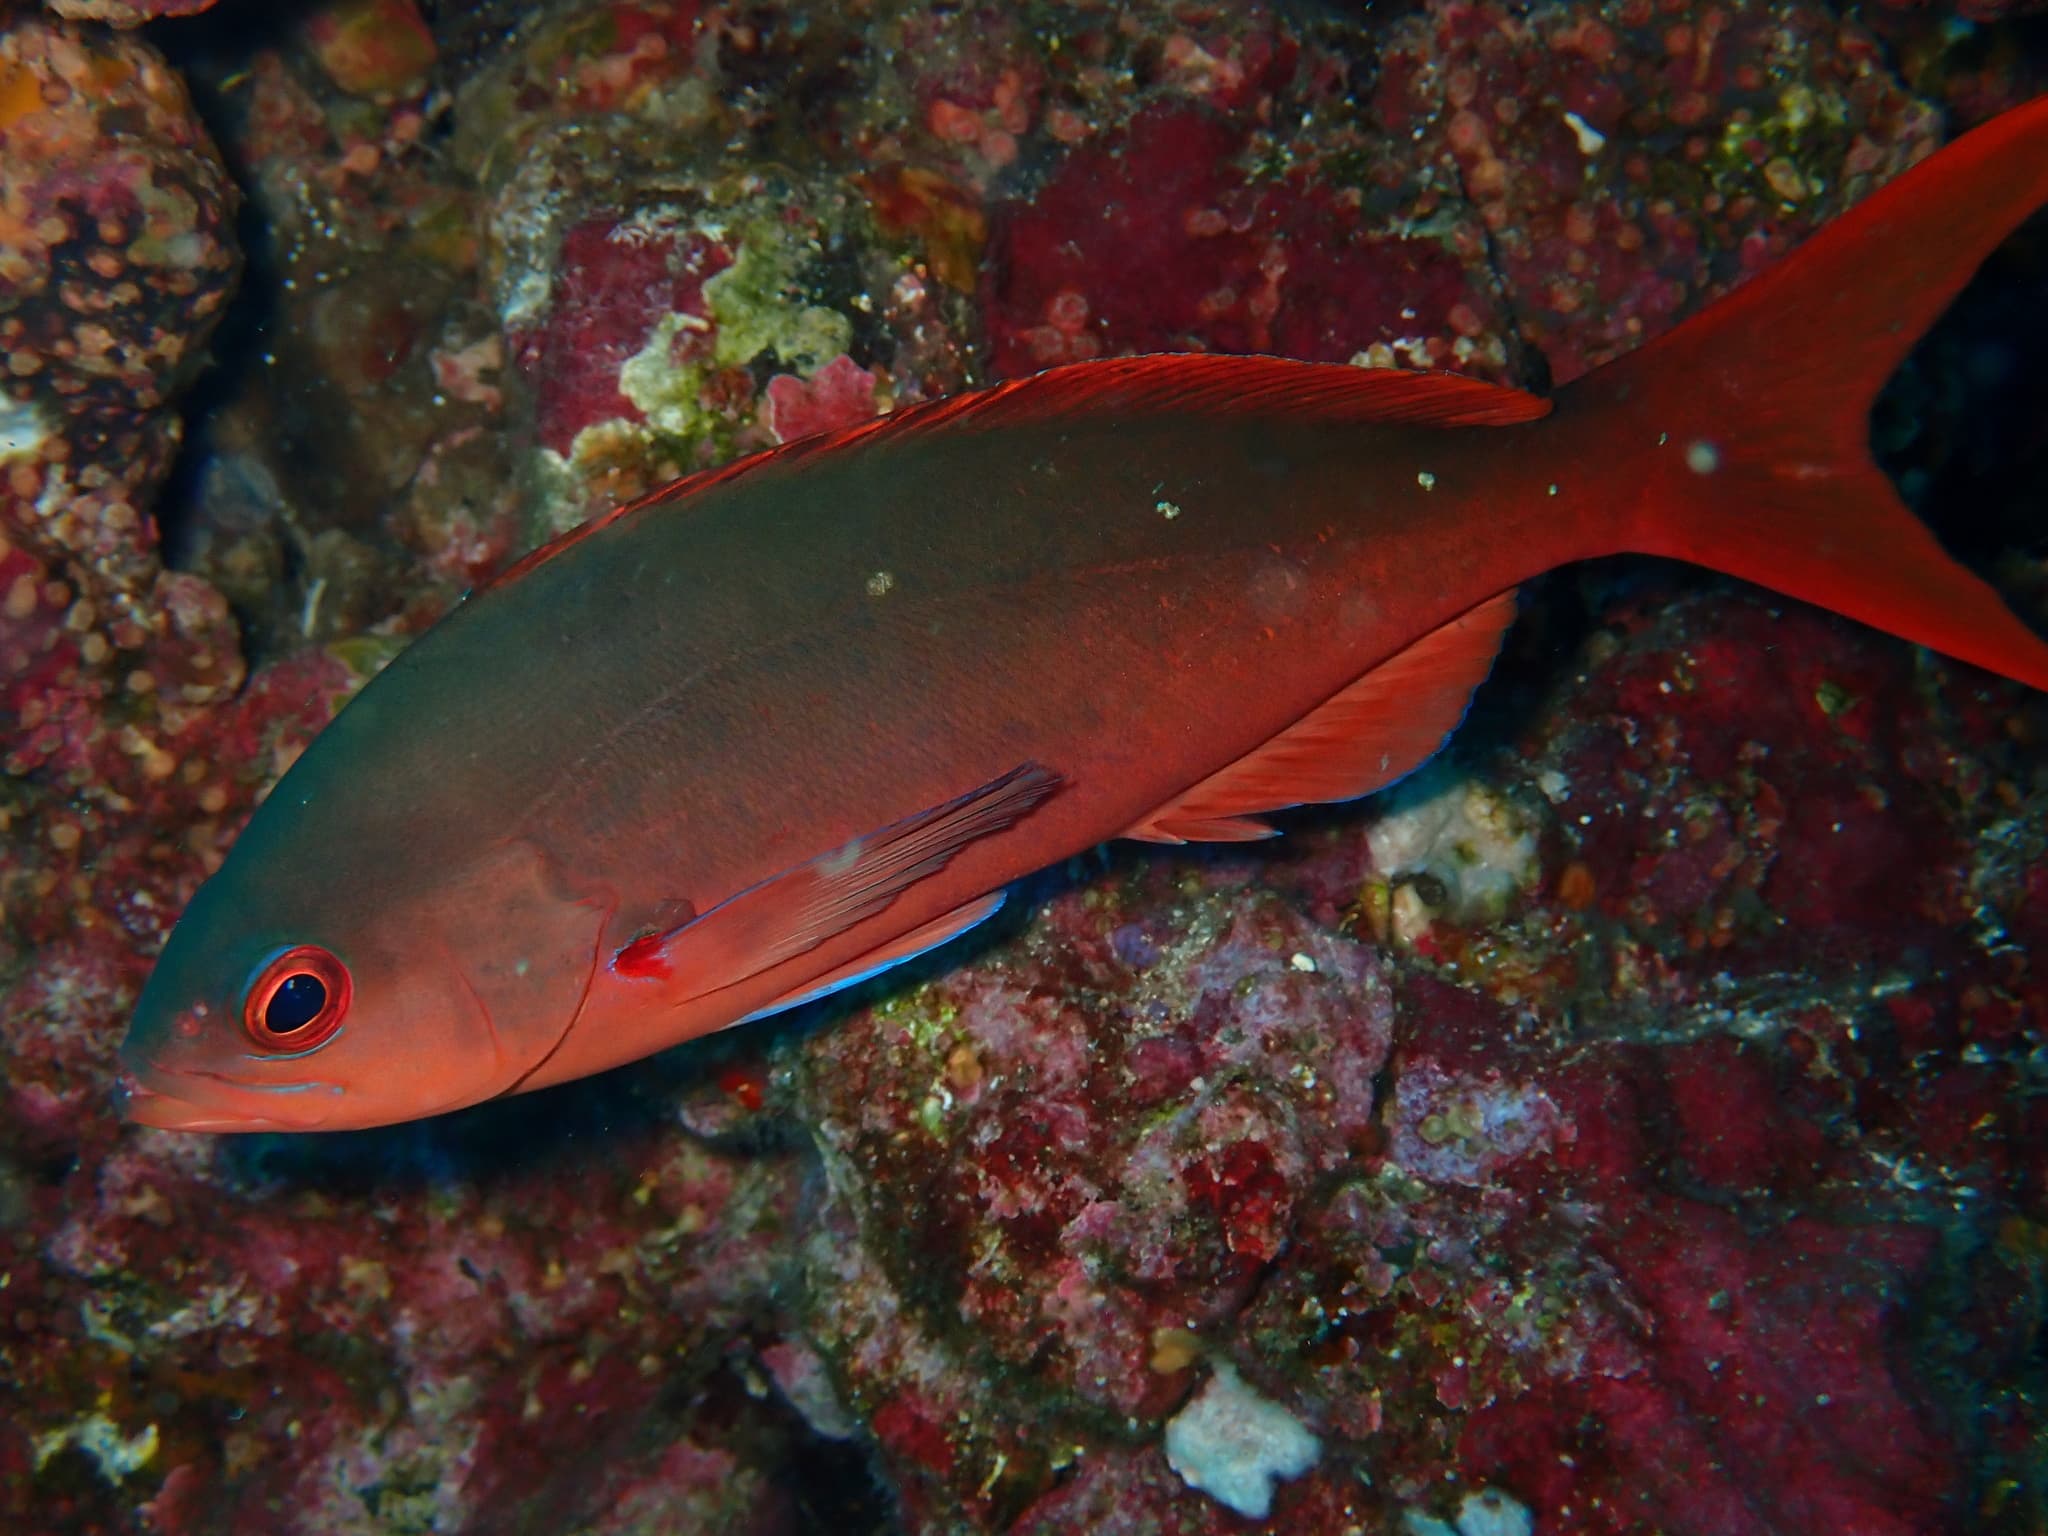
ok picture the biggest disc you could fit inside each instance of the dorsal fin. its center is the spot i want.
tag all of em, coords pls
(1206, 385)
(1196, 384)
(1361, 739)
(674, 491)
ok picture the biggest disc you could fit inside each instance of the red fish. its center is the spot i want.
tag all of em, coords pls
(782, 725)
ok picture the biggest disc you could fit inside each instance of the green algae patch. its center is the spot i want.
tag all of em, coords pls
(757, 303)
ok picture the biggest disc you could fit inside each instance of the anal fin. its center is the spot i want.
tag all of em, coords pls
(1362, 738)
(1172, 824)
(792, 913)
(918, 941)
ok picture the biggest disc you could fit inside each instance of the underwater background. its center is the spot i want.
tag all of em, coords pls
(1635, 1122)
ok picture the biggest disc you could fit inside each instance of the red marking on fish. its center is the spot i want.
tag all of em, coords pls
(643, 960)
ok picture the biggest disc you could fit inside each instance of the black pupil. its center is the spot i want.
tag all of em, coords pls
(295, 1004)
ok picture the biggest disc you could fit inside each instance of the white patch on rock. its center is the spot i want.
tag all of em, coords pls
(22, 427)
(1591, 139)
(1459, 1129)
(1231, 1443)
(1489, 1512)
(807, 1386)
(117, 1456)
(1465, 834)
(1483, 1512)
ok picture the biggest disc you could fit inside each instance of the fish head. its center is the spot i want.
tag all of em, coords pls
(355, 1004)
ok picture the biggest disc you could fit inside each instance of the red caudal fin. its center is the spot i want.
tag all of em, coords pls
(1745, 432)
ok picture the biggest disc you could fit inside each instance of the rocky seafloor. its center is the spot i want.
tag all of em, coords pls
(1633, 1123)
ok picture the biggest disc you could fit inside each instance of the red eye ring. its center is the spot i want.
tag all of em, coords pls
(297, 999)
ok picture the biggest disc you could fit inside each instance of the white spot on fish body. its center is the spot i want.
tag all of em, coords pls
(1702, 457)
(1426, 480)
(1168, 510)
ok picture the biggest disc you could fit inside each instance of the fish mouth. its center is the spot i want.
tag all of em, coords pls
(171, 1099)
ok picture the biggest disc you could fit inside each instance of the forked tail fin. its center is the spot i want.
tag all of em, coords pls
(1754, 417)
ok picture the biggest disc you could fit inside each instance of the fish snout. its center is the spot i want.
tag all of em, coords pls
(139, 1104)
(170, 1100)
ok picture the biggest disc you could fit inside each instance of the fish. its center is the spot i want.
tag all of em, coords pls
(784, 724)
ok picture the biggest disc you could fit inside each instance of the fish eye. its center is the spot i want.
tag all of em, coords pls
(297, 999)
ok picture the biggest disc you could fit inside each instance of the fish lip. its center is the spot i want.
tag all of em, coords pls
(186, 1099)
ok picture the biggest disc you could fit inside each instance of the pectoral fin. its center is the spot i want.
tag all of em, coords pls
(796, 911)
(918, 941)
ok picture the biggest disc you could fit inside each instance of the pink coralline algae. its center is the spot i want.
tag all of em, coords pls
(1075, 1248)
(118, 261)
(841, 394)
(118, 256)
(1623, 1214)
(661, 319)
(613, 285)
(1592, 171)
(1629, 159)
(1158, 243)
(1629, 1124)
